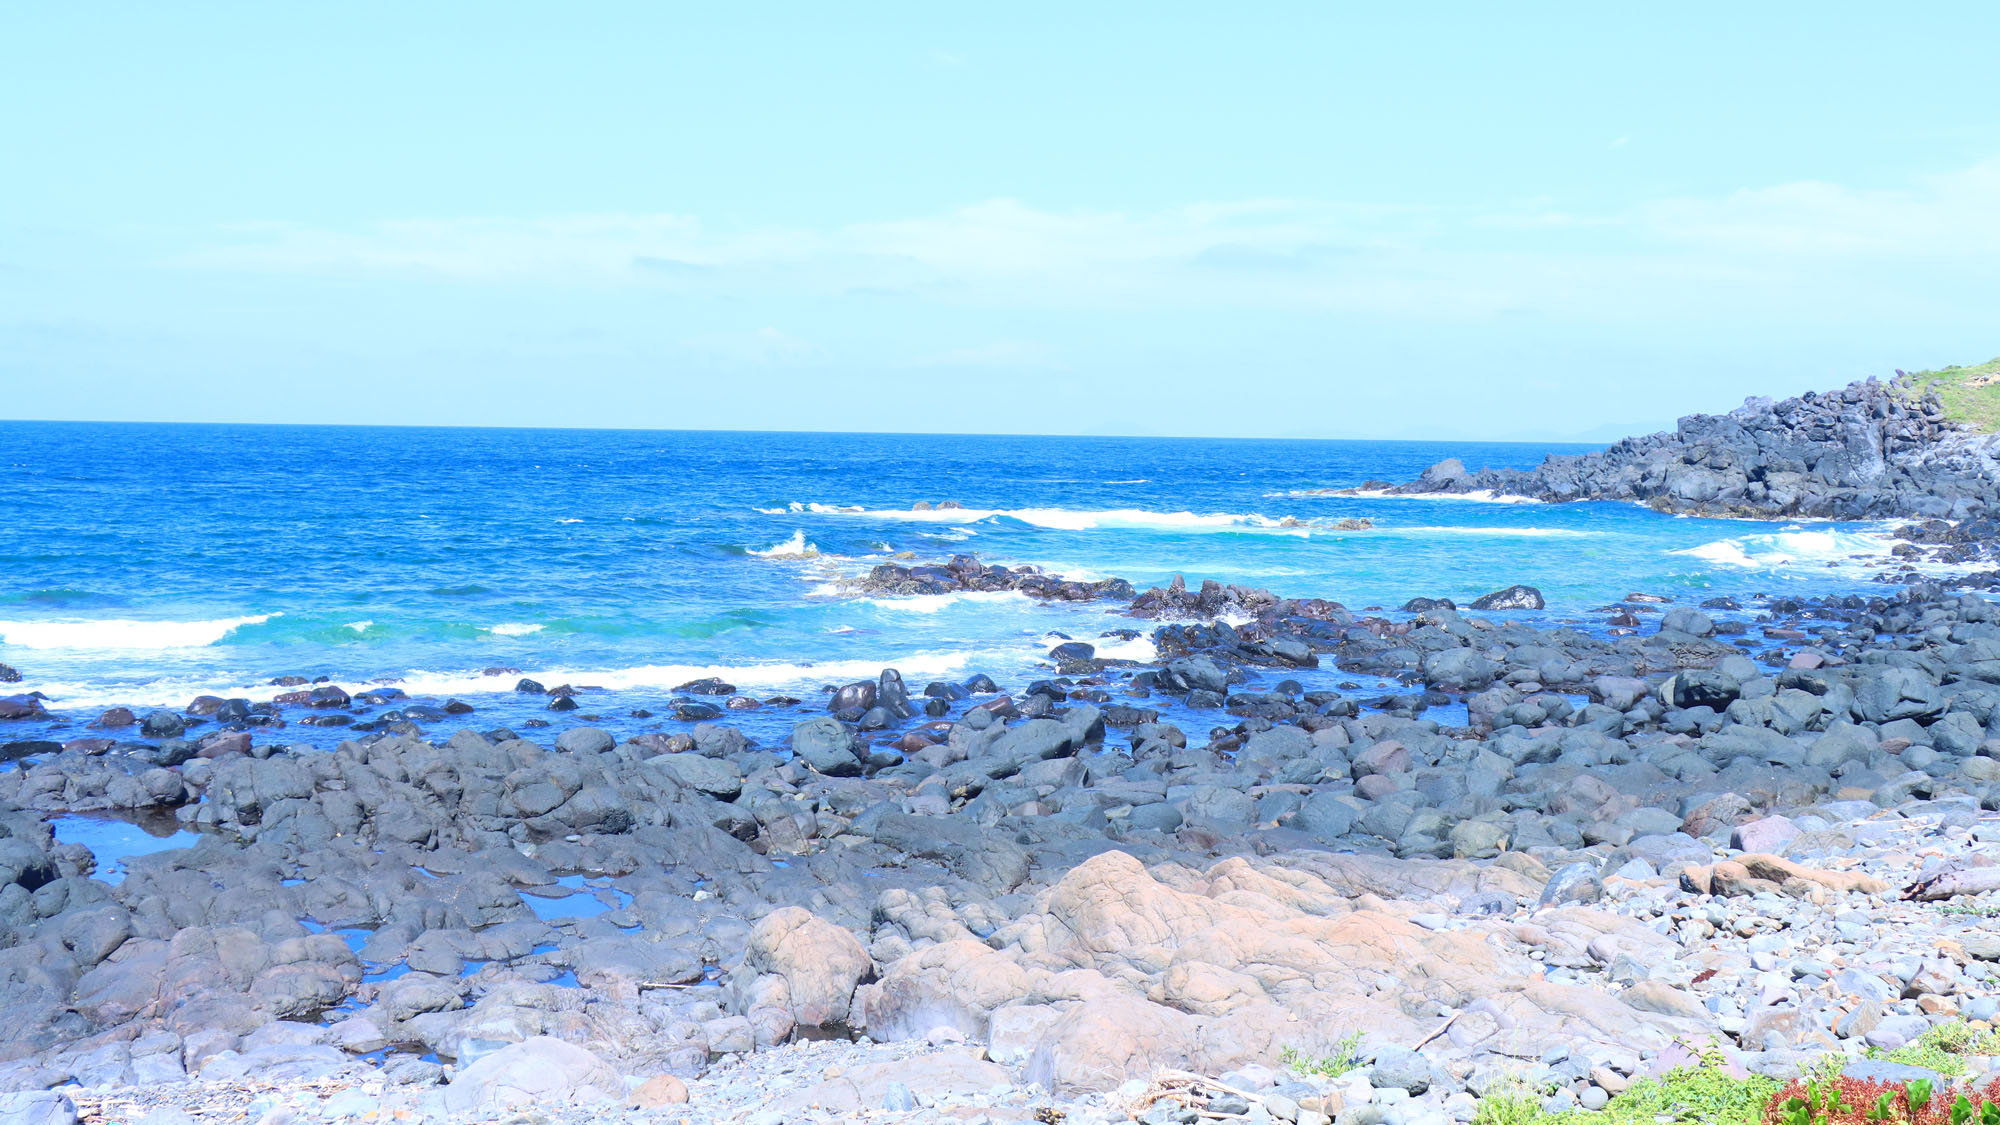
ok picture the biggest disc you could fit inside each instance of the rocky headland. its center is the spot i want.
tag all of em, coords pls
(1559, 860)
(1867, 451)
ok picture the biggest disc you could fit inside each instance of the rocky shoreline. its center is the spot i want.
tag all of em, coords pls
(1868, 451)
(1718, 823)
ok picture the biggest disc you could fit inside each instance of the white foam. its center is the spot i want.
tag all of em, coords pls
(359, 626)
(668, 676)
(932, 603)
(122, 635)
(797, 547)
(66, 696)
(1498, 532)
(1139, 648)
(1070, 573)
(1796, 547)
(1477, 496)
(514, 629)
(1073, 519)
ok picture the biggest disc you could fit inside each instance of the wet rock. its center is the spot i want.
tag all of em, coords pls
(1513, 597)
(117, 718)
(162, 724)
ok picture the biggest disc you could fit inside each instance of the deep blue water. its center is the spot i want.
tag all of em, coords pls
(145, 564)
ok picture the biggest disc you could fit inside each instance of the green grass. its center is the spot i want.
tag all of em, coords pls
(1345, 1056)
(1971, 909)
(1942, 1049)
(1970, 394)
(1703, 1093)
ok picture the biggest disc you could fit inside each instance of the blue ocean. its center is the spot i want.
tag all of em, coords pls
(143, 565)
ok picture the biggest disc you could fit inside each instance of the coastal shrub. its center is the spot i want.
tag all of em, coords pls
(1704, 1092)
(1852, 1101)
(1943, 1048)
(1511, 1103)
(1345, 1056)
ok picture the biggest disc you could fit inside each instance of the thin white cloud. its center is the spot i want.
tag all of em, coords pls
(1956, 214)
(1303, 254)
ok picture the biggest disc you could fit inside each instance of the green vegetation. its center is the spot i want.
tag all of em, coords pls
(1970, 394)
(1704, 1092)
(1943, 1048)
(1345, 1056)
(1514, 1104)
(1971, 909)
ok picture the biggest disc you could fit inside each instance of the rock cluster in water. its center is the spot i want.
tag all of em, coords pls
(1025, 903)
(1866, 451)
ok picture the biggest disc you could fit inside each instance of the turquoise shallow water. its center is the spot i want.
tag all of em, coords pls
(143, 565)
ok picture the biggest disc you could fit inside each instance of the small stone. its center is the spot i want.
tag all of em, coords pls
(659, 1090)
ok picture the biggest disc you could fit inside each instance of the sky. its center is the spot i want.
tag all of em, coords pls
(1531, 221)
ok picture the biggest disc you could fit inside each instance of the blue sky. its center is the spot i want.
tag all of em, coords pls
(1276, 220)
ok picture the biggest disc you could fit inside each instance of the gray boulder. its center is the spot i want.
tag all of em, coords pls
(535, 1072)
(828, 747)
(37, 1107)
(1458, 669)
(1897, 693)
(585, 740)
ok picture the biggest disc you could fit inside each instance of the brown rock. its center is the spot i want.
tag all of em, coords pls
(1101, 1044)
(1750, 874)
(955, 984)
(659, 1090)
(821, 964)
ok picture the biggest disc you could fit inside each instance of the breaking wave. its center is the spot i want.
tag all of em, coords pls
(118, 634)
(797, 547)
(1795, 547)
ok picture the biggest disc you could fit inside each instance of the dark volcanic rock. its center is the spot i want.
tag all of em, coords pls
(1866, 451)
(1513, 597)
(827, 746)
(21, 707)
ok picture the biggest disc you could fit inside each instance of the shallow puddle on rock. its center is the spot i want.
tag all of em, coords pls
(376, 974)
(582, 901)
(113, 841)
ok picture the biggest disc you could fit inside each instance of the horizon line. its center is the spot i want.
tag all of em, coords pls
(832, 433)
